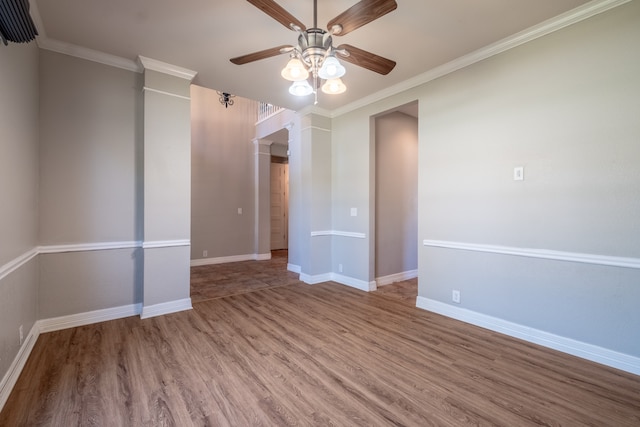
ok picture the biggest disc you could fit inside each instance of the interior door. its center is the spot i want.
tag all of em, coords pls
(279, 205)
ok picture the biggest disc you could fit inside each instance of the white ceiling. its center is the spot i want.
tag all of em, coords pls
(201, 35)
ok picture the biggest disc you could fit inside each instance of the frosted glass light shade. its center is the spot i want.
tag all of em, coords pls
(334, 87)
(300, 88)
(331, 69)
(295, 71)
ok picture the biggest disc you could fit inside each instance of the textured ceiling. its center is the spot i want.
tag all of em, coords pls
(202, 35)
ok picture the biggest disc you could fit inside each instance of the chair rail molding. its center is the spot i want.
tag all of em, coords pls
(612, 261)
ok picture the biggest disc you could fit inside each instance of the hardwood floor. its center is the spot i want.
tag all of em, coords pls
(406, 290)
(309, 355)
(223, 280)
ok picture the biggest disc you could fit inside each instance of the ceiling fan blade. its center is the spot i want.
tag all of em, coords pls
(277, 12)
(360, 14)
(262, 54)
(365, 59)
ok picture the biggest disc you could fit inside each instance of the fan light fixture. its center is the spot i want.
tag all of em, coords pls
(334, 86)
(295, 71)
(331, 69)
(301, 88)
(314, 56)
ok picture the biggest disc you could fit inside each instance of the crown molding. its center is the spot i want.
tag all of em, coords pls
(566, 19)
(53, 45)
(163, 67)
(549, 26)
(88, 54)
(313, 109)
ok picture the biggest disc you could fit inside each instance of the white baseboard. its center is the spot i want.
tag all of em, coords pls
(354, 283)
(81, 319)
(294, 268)
(398, 277)
(315, 279)
(166, 308)
(343, 280)
(232, 258)
(11, 377)
(587, 351)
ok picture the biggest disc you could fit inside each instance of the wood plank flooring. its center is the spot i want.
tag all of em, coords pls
(305, 355)
(223, 280)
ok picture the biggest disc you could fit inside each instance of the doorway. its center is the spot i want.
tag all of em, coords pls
(396, 195)
(279, 203)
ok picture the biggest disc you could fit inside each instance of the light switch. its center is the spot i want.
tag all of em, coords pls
(354, 211)
(239, 211)
(518, 173)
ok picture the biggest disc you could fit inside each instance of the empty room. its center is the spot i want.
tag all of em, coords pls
(374, 212)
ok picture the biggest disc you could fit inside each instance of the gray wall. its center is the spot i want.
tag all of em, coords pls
(222, 175)
(90, 127)
(19, 192)
(565, 107)
(396, 214)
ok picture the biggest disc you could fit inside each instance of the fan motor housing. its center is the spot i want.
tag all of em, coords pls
(313, 45)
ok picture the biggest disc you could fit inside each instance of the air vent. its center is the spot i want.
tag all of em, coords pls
(16, 24)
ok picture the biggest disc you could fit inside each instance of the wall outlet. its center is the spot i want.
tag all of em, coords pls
(354, 211)
(339, 268)
(455, 296)
(20, 331)
(239, 211)
(205, 253)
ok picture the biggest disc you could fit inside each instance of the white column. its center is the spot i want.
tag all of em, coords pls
(263, 198)
(315, 193)
(167, 188)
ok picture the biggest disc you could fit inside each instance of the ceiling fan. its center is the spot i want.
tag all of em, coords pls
(315, 55)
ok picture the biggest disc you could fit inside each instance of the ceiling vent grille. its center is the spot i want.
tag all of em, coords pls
(16, 24)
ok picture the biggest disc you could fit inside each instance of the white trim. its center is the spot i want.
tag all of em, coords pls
(232, 258)
(354, 283)
(163, 92)
(15, 369)
(166, 308)
(349, 234)
(263, 257)
(18, 262)
(165, 243)
(88, 318)
(338, 233)
(102, 246)
(314, 109)
(275, 113)
(294, 268)
(316, 128)
(163, 67)
(587, 351)
(611, 261)
(554, 24)
(338, 278)
(262, 141)
(82, 247)
(397, 277)
(88, 54)
(315, 279)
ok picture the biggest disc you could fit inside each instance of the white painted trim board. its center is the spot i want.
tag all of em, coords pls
(580, 349)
